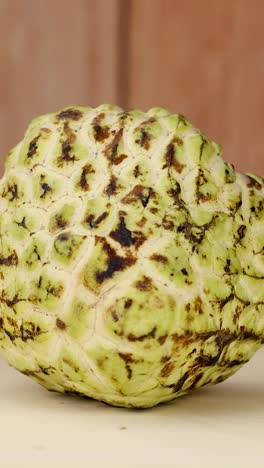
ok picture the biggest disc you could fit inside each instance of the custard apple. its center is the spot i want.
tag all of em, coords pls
(131, 257)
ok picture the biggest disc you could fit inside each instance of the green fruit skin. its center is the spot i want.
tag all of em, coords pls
(131, 257)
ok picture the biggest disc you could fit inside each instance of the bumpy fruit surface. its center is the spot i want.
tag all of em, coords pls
(131, 257)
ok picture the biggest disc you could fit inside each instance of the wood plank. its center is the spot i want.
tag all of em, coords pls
(204, 59)
(53, 54)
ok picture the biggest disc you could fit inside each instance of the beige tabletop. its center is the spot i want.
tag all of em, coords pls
(222, 426)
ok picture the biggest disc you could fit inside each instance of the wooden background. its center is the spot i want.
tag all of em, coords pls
(203, 58)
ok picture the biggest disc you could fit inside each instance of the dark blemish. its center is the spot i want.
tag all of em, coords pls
(122, 234)
(184, 271)
(200, 231)
(123, 428)
(56, 292)
(111, 150)
(253, 183)
(128, 303)
(159, 258)
(151, 334)
(60, 324)
(127, 357)
(178, 386)
(115, 263)
(33, 147)
(63, 237)
(144, 140)
(162, 339)
(154, 210)
(136, 171)
(167, 369)
(227, 266)
(112, 186)
(73, 114)
(198, 305)
(203, 360)
(145, 284)
(241, 232)
(87, 169)
(101, 133)
(94, 222)
(165, 359)
(13, 190)
(46, 189)
(223, 302)
(60, 221)
(142, 222)
(1, 322)
(120, 158)
(175, 194)
(22, 223)
(67, 146)
(236, 362)
(115, 316)
(171, 160)
(11, 260)
(139, 192)
(224, 338)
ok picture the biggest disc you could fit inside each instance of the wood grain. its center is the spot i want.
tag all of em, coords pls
(204, 59)
(53, 54)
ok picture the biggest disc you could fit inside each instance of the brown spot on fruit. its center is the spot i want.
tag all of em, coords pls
(101, 133)
(73, 114)
(112, 186)
(114, 262)
(224, 338)
(122, 234)
(177, 387)
(33, 147)
(162, 339)
(136, 171)
(46, 189)
(67, 146)
(171, 161)
(127, 357)
(167, 369)
(60, 221)
(94, 222)
(11, 189)
(111, 150)
(159, 258)
(139, 192)
(60, 324)
(204, 360)
(11, 260)
(144, 140)
(241, 232)
(87, 169)
(128, 303)
(253, 183)
(115, 316)
(120, 158)
(165, 359)
(198, 305)
(145, 284)
(151, 334)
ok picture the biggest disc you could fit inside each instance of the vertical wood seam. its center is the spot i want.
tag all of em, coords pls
(124, 56)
